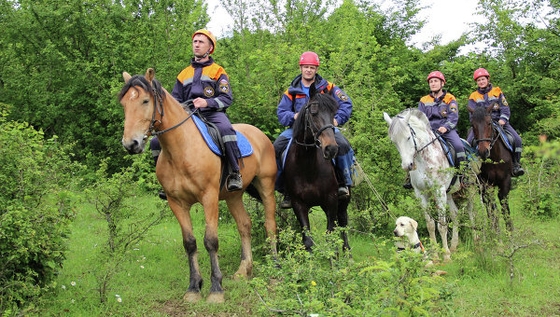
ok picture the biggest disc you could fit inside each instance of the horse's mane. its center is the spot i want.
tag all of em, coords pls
(326, 103)
(142, 82)
(479, 114)
(416, 120)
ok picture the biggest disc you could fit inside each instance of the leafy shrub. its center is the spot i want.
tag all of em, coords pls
(329, 283)
(541, 188)
(36, 210)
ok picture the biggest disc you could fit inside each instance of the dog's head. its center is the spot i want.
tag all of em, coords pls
(405, 226)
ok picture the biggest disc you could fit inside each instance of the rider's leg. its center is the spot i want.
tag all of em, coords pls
(453, 138)
(232, 153)
(343, 161)
(518, 148)
(280, 145)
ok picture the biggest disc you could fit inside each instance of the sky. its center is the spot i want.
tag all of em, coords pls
(449, 18)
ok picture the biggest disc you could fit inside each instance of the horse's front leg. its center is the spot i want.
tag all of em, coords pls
(430, 223)
(442, 224)
(211, 244)
(343, 221)
(504, 202)
(237, 210)
(453, 211)
(302, 214)
(189, 243)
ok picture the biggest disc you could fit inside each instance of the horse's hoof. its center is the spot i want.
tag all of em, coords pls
(192, 297)
(216, 298)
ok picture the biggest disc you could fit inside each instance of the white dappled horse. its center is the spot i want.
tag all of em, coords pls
(430, 172)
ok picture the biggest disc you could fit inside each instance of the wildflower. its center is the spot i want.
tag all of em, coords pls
(313, 283)
(141, 266)
(73, 283)
(63, 286)
(119, 299)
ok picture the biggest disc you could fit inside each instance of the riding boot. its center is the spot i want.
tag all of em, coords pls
(517, 169)
(343, 191)
(234, 182)
(407, 184)
(286, 202)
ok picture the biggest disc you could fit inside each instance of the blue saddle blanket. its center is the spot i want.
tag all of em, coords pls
(244, 146)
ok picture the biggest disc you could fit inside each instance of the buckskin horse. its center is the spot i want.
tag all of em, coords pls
(309, 173)
(496, 167)
(431, 174)
(189, 172)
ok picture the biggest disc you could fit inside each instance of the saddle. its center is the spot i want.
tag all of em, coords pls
(213, 139)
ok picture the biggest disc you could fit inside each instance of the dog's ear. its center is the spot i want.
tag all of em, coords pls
(414, 224)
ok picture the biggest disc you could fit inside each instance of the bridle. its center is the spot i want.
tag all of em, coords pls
(493, 138)
(413, 137)
(312, 127)
(152, 128)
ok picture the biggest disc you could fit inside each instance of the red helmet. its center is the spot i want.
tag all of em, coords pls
(309, 58)
(480, 72)
(436, 74)
(209, 35)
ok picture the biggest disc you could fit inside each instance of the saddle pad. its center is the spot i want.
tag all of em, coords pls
(244, 146)
(506, 137)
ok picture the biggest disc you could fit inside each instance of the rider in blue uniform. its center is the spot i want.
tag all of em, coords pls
(207, 85)
(294, 98)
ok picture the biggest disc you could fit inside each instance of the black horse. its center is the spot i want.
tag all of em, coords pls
(309, 173)
(496, 165)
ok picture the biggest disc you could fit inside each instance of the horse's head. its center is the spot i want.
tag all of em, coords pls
(481, 121)
(314, 125)
(139, 97)
(406, 131)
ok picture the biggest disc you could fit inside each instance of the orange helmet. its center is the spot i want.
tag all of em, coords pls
(209, 35)
(309, 58)
(480, 72)
(436, 74)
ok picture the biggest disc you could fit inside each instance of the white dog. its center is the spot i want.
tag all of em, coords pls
(406, 227)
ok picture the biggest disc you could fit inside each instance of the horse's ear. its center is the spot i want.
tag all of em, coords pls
(126, 76)
(150, 74)
(387, 118)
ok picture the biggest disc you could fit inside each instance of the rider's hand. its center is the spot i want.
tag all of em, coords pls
(501, 122)
(442, 130)
(200, 103)
(335, 123)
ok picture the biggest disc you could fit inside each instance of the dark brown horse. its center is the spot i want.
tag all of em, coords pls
(189, 172)
(309, 173)
(495, 170)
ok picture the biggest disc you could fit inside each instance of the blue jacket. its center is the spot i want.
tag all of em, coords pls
(441, 112)
(288, 106)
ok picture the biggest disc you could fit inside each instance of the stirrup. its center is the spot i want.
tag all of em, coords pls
(286, 202)
(343, 192)
(234, 182)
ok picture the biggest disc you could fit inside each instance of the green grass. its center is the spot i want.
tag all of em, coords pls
(153, 279)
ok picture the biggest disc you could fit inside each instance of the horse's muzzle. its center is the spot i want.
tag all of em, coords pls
(133, 146)
(330, 151)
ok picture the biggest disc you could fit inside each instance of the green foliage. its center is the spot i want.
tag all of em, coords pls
(541, 190)
(329, 282)
(113, 198)
(37, 209)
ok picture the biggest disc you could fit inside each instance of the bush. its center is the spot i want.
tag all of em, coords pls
(329, 282)
(35, 211)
